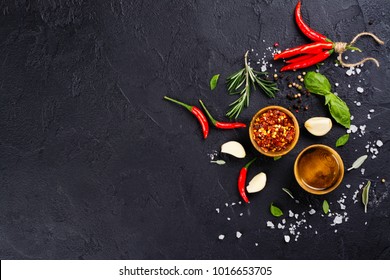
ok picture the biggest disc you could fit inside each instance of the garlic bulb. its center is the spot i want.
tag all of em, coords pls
(318, 126)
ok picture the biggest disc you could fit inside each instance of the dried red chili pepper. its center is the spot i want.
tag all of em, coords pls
(310, 33)
(242, 180)
(221, 125)
(196, 112)
(309, 62)
(312, 48)
(300, 58)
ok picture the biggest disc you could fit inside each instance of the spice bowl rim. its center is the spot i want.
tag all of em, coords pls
(340, 176)
(292, 144)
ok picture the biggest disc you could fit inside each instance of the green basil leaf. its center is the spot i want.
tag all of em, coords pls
(325, 207)
(339, 110)
(317, 83)
(342, 140)
(275, 211)
(277, 158)
(214, 81)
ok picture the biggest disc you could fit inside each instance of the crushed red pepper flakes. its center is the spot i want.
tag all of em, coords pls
(273, 131)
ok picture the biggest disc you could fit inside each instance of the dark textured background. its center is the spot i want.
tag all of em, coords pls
(94, 164)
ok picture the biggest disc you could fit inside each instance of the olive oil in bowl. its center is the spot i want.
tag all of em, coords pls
(319, 169)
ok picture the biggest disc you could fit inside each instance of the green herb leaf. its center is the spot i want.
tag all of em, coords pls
(287, 191)
(317, 83)
(219, 162)
(277, 158)
(325, 207)
(342, 140)
(339, 110)
(357, 163)
(214, 81)
(275, 211)
(240, 83)
(365, 193)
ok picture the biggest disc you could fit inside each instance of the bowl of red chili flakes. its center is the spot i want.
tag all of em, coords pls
(274, 131)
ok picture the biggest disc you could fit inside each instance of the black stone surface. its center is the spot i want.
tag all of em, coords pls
(94, 164)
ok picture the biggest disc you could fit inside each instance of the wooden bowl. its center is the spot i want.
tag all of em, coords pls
(319, 169)
(274, 153)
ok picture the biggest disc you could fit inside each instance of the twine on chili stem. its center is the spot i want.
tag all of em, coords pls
(341, 47)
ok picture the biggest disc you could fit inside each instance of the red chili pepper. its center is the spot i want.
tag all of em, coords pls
(310, 33)
(312, 48)
(242, 180)
(309, 62)
(196, 112)
(300, 58)
(221, 125)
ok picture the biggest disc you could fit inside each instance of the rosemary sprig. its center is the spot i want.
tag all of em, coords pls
(242, 79)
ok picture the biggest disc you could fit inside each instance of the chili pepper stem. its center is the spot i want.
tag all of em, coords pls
(188, 107)
(213, 121)
(249, 163)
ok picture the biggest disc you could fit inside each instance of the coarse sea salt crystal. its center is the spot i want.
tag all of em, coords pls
(287, 238)
(221, 237)
(362, 171)
(283, 221)
(228, 218)
(270, 224)
(336, 84)
(238, 234)
(349, 72)
(358, 104)
(369, 116)
(360, 90)
(358, 70)
(372, 110)
(290, 213)
(256, 244)
(338, 220)
(312, 211)
(379, 143)
(348, 186)
(263, 68)
(217, 209)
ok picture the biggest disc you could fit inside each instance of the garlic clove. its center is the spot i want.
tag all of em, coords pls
(233, 148)
(257, 183)
(318, 126)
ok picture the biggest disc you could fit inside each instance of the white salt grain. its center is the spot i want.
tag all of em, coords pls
(228, 218)
(372, 110)
(312, 211)
(358, 70)
(270, 224)
(358, 104)
(217, 209)
(238, 234)
(290, 214)
(336, 84)
(221, 237)
(283, 221)
(379, 143)
(287, 238)
(338, 220)
(256, 244)
(360, 90)
(348, 186)
(349, 72)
